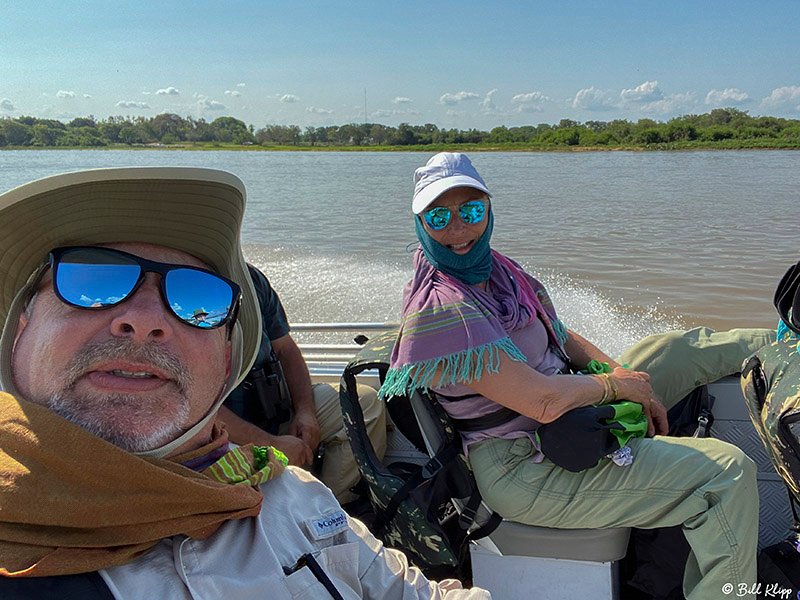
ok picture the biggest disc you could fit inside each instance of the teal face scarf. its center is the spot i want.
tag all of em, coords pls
(471, 268)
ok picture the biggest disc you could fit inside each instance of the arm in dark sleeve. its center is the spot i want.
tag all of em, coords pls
(274, 322)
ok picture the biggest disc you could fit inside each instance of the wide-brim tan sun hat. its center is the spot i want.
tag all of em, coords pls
(195, 210)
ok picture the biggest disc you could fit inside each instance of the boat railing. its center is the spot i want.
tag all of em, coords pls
(324, 349)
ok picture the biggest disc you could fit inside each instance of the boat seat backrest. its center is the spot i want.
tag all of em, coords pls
(433, 438)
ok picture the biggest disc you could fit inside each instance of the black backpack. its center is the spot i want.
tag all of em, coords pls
(429, 511)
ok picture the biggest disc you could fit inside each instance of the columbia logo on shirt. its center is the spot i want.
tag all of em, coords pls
(327, 525)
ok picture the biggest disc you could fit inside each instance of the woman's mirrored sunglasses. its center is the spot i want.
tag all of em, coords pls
(471, 212)
(96, 278)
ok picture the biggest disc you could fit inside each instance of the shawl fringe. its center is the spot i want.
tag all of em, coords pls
(464, 366)
(560, 330)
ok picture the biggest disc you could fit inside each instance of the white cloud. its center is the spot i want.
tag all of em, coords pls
(64, 94)
(451, 99)
(650, 98)
(132, 104)
(233, 93)
(145, 93)
(786, 98)
(204, 103)
(289, 98)
(382, 112)
(168, 91)
(487, 104)
(392, 112)
(726, 97)
(401, 100)
(530, 102)
(240, 85)
(647, 92)
(594, 99)
(86, 96)
(6, 104)
(670, 104)
(319, 111)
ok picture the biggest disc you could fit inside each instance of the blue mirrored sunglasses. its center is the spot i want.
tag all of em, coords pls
(96, 278)
(471, 212)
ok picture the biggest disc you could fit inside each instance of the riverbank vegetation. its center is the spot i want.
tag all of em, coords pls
(723, 128)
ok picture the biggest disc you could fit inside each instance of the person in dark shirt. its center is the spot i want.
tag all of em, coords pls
(315, 417)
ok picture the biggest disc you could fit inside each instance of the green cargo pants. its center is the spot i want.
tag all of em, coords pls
(705, 485)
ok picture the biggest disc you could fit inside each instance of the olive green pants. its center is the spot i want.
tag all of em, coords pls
(705, 485)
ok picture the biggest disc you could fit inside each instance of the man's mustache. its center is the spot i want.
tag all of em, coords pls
(149, 353)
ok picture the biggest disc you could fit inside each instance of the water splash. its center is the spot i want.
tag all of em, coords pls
(317, 287)
(608, 323)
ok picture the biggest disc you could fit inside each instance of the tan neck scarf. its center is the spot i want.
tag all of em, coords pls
(73, 503)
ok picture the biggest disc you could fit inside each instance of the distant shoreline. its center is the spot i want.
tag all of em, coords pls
(720, 129)
(513, 147)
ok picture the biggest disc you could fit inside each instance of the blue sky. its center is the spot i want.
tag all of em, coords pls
(455, 64)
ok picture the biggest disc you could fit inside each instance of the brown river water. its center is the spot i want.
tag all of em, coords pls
(628, 243)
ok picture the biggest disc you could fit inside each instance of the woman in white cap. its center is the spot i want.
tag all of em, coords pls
(483, 335)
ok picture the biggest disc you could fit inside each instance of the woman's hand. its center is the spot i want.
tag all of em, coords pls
(546, 397)
(635, 387)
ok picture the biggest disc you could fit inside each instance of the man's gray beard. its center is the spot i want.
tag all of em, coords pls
(64, 402)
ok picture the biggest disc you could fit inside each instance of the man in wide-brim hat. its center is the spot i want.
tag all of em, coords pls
(115, 479)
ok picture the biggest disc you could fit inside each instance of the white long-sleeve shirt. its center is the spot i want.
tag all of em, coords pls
(245, 558)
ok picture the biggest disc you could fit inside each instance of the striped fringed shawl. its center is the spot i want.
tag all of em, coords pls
(460, 329)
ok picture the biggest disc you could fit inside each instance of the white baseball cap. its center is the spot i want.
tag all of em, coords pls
(442, 172)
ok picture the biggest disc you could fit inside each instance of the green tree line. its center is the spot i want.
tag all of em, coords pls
(723, 127)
